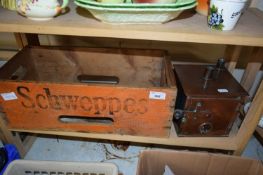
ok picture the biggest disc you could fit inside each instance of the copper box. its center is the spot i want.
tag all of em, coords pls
(206, 107)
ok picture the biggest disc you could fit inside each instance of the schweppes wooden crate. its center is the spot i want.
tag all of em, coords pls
(121, 91)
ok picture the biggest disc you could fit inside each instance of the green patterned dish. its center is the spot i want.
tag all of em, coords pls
(131, 8)
(178, 3)
(138, 15)
(9, 4)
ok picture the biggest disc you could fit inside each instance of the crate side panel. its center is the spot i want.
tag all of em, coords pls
(137, 68)
(39, 105)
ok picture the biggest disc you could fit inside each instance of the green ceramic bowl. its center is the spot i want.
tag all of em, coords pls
(129, 4)
(138, 15)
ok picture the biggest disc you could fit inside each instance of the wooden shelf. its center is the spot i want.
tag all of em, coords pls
(236, 141)
(189, 27)
(223, 143)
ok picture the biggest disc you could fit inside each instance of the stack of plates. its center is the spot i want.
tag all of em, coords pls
(135, 13)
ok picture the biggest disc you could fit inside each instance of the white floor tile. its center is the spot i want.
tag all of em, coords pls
(87, 151)
(84, 151)
(253, 149)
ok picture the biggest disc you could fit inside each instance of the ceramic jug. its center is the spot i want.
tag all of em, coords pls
(40, 9)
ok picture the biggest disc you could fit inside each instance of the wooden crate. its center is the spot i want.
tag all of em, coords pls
(40, 90)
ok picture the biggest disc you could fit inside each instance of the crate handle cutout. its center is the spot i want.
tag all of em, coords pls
(86, 119)
(19, 73)
(101, 79)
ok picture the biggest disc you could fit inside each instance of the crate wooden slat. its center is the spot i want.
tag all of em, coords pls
(10, 137)
(259, 134)
(232, 53)
(6, 54)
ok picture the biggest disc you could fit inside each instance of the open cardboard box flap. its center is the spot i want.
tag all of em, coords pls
(196, 163)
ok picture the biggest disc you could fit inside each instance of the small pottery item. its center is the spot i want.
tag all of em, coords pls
(40, 10)
(202, 7)
(224, 14)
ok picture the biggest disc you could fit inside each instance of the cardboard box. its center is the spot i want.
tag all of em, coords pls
(44, 88)
(153, 162)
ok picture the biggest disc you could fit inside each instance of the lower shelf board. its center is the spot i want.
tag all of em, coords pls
(223, 143)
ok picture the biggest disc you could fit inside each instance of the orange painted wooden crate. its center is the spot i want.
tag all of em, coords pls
(121, 91)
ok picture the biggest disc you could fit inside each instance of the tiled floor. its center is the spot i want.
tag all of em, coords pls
(82, 150)
(85, 151)
(254, 150)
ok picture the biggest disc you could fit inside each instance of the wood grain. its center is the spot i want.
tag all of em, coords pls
(177, 51)
(250, 75)
(250, 122)
(259, 134)
(249, 32)
(9, 138)
(189, 27)
(232, 54)
(6, 55)
(224, 143)
(20, 40)
(133, 67)
(50, 97)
